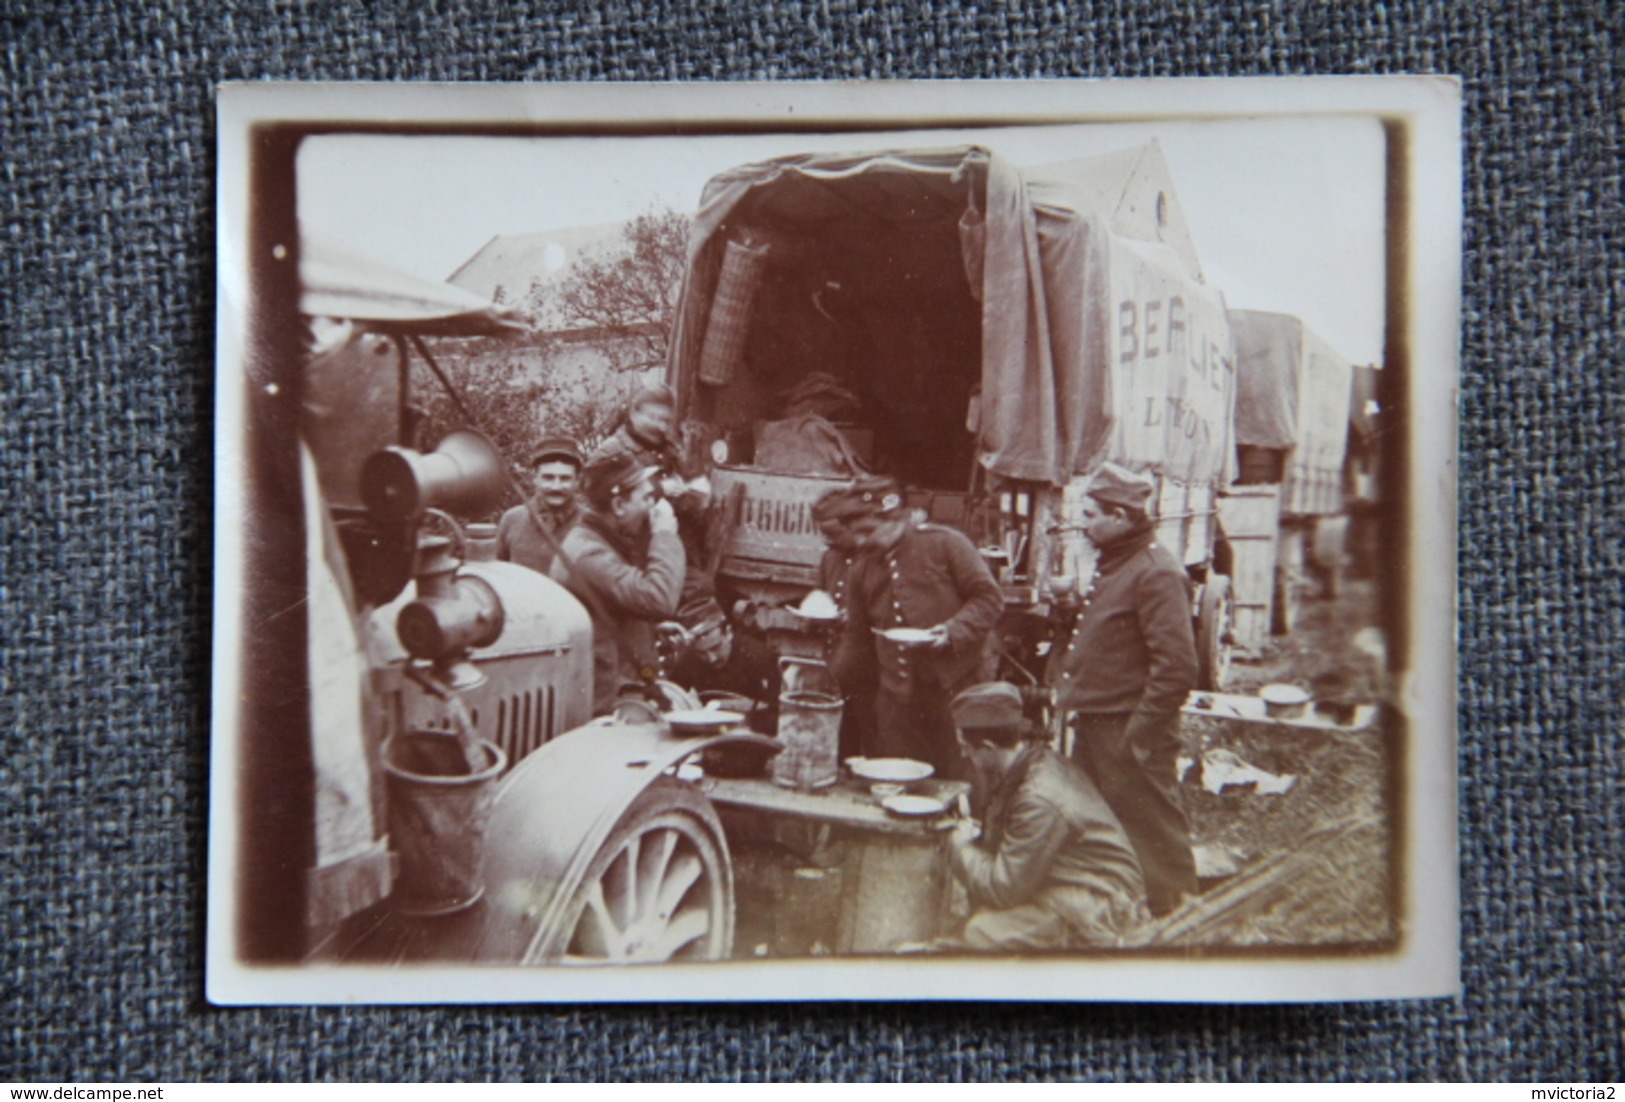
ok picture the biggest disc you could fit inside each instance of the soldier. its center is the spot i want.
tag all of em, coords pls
(835, 514)
(711, 654)
(646, 435)
(530, 535)
(930, 581)
(1124, 670)
(645, 431)
(1050, 867)
(625, 562)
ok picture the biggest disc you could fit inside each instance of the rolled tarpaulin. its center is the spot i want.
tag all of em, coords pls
(742, 265)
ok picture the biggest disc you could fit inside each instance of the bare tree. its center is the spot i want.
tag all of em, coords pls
(500, 385)
(608, 318)
(520, 394)
(630, 294)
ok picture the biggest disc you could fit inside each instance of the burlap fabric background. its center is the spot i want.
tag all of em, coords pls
(104, 558)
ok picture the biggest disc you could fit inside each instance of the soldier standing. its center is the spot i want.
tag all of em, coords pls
(930, 582)
(647, 435)
(530, 534)
(1124, 671)
(625, 562)
(835, 514)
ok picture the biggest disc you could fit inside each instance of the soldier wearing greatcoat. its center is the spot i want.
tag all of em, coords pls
(836, 513)
(530, 534)
(931, 582)
(1049, 867)
(1123, 670)
(625, 562)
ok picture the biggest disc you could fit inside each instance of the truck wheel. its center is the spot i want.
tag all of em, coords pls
(1215, 634)
(659, 889)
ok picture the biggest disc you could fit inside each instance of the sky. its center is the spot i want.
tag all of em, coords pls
(1287, 214)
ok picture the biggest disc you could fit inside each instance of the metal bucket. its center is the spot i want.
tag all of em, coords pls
(810, 729)
(438, 813)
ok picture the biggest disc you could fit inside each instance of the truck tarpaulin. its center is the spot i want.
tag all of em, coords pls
(1294, 393)
(1112, 346)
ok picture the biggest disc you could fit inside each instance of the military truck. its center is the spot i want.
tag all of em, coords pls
(999, 331)
(1286, 515)
(421, 779)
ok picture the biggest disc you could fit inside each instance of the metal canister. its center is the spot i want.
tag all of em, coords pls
(810, 729)
(438, 814)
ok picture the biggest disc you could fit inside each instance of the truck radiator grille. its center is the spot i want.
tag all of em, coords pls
(524, 722)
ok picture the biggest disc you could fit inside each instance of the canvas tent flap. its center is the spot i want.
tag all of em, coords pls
(336, 285)
(1038, 269)
(1029, 417)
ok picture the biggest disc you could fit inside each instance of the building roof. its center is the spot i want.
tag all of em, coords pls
(516, 261)
(1132, 189)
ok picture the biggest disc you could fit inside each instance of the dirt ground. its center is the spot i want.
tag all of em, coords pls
(1307, 867)
(1310, 866)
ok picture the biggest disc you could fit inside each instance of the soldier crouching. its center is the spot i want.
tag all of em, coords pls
(1051, 867)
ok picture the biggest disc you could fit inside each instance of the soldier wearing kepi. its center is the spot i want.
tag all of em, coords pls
(1050, 868)
(931, 582)
(625, 562)
(530, 534)
(835, 513)
(1124, 670)
(645, 429)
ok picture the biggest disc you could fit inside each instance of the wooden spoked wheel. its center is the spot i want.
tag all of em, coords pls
(659, 889)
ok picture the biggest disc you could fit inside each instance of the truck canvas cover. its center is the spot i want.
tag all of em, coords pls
(1294, 393)
(950, 290)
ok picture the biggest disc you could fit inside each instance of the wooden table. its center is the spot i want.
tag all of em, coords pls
(895, 881)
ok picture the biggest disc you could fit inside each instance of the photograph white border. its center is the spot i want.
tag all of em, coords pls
(1426, 110)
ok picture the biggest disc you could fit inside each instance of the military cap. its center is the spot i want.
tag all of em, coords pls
(990, 704)
(611, 474)
(701, 614)
(653, 394)
(878, 494)
(1120, 486)
(840, 503)
(557, 449)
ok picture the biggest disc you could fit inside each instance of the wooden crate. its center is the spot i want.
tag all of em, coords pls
(776, 526)
(1251, 519)
(1311, 490)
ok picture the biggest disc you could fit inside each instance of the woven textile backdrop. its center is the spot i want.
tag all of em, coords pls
(108, 300)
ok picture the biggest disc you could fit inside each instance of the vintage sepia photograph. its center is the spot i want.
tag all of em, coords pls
(783, 542)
